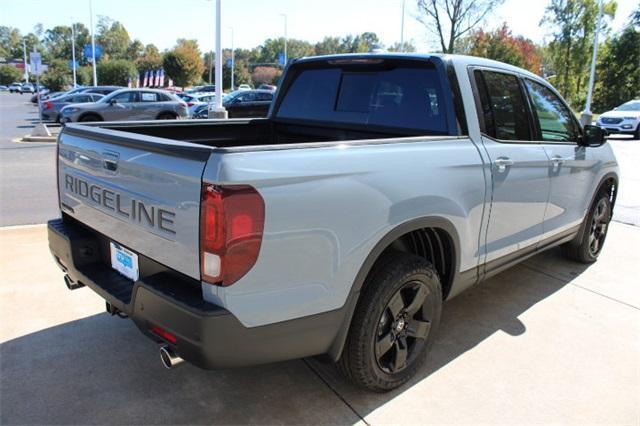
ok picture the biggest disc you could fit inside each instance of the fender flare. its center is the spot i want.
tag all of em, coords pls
(601, 183)
(354, 294)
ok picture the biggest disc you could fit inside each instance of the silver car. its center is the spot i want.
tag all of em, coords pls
(50, 108)
(128, 105)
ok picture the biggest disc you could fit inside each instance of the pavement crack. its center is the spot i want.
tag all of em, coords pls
(579, 286)
(335, 391)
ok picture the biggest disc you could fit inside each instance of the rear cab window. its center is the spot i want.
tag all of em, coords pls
(408, 95)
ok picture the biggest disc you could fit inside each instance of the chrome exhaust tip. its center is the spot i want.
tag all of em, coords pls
(169, 358)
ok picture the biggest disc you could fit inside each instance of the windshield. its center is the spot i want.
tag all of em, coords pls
(403, 96)
(630, 106)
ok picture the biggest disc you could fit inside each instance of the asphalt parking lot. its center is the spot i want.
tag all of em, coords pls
(548, 341)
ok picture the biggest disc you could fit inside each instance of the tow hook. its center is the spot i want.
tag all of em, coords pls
(71, 285)
(169, 358)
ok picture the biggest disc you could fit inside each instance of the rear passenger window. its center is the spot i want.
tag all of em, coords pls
(503, 107)
(148, 97)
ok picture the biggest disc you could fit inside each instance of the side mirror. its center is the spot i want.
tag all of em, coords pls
(112, 102)
(593, 136)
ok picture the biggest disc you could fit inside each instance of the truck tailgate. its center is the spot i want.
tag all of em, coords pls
(140, 191)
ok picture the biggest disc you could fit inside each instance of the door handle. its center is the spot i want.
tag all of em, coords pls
(557, 160)
(502, 163)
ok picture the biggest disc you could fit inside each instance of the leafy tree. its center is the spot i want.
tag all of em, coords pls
(150, 59)
(452, 19)
(503, 46)
(9, 74)
(266, 75)
(272, 48)
(116, 72)
(10, 43)
(58, 75)
(361, 43)
(569, 53)
(184, 64)
(135, 50)
(84, 75)
(328, 46)
(113, 37)
(407, 46)
(618, 70)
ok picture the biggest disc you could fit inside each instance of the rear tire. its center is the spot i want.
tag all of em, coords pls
(394, 324)
(589, 242)
(166, 116)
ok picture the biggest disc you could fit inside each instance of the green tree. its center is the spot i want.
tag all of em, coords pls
(113, 37)
(618, 70)
(407, 46)
(184, 64)
(10, 43)
(9, 74)
(58, 75)
(135, 50)
(569, 53)
(84, 75)
(328, 46)
(272, 48)
(116, 72)
(266, 75)
(151, 59)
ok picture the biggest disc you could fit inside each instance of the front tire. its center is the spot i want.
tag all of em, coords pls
(636, 134)
(591, 239)
(90, 117)
(394, 323)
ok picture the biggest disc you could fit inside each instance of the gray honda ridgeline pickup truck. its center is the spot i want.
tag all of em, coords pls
(378, 186)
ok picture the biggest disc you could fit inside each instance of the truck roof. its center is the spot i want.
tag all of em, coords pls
(463, 60)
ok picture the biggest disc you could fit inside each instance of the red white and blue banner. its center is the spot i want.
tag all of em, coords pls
(161, 77)
(146, 78)
(129, 83)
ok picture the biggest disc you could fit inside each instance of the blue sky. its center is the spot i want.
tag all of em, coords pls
(163, 21)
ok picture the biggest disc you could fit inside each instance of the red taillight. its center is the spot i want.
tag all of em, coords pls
(190, 104)
(47, 105)
(231, 227)
(161, 332)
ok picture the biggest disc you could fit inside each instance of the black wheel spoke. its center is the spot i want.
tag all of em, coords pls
(396, 305)
(418, 300)
(401, 354)
(418, 329)
(383, 344)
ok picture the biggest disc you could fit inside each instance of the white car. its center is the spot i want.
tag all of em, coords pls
(244, 87)
(15, 87)
(624, 119)
(194, 100)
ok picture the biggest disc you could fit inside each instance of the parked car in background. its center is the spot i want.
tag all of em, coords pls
(50, 109)
(248, 103)
(41, 94)
(3, 88)
(267, 87)
(624, 119)
(15, 87)
(244, 87)
(27, 88)
(211, 88)
(127, 105)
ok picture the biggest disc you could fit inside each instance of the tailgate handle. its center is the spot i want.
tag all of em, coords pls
(110, 161)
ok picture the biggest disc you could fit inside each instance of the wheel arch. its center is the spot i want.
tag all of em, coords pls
(388, 241)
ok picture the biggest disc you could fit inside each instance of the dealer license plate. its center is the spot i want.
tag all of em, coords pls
(124, 261)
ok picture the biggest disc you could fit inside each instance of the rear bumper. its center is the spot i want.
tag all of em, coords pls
(207, 335)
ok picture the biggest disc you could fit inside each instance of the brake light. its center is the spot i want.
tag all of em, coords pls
(190, 104)
(47, 105)
(231, 227)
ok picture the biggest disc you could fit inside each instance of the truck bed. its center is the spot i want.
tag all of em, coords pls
(253, 133)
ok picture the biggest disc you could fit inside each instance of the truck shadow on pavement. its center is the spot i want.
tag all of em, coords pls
(100, 369)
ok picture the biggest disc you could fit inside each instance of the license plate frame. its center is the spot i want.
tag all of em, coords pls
(124, 261)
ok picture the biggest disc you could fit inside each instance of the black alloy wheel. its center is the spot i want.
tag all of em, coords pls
(403, 327)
